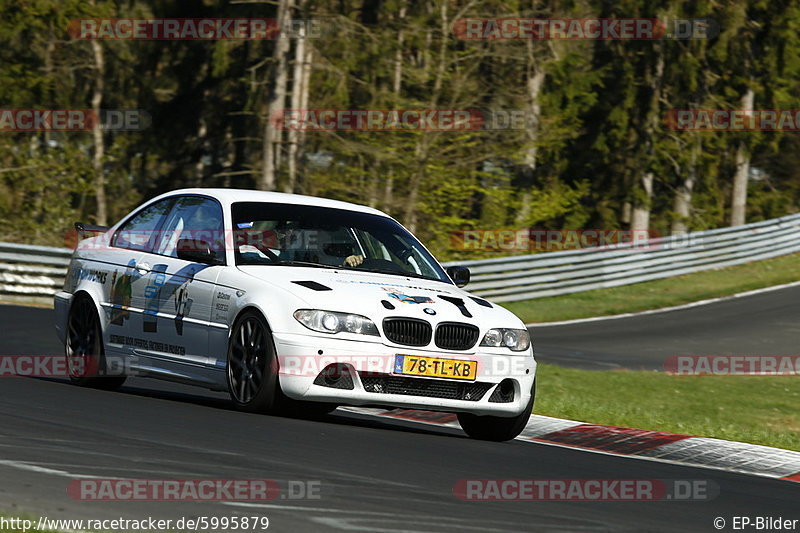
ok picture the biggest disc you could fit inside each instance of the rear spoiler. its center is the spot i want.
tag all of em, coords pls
(83, 229)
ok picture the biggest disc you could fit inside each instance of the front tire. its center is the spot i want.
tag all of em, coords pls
(85, 353)
(496, 428)
(252, 365)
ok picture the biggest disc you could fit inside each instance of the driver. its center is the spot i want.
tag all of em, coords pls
(331, 242)
(353, 260)
(294, 244)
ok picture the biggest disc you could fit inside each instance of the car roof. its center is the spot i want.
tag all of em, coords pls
(230, 196)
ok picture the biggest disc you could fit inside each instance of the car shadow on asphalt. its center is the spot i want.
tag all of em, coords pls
(219, 400)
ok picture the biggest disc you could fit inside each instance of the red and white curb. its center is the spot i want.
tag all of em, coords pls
(640, 443)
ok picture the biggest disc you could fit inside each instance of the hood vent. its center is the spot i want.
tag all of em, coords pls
(313, 285)
(481, 301)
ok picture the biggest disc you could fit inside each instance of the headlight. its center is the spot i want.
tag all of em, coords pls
(332, 322)
(517, 340)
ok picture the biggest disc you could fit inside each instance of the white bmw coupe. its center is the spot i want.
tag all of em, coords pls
(291, 301)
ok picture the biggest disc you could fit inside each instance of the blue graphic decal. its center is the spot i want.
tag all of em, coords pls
(410, 299)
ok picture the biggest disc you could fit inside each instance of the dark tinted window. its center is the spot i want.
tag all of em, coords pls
(193, 217)
(140, 231)
(281, 234)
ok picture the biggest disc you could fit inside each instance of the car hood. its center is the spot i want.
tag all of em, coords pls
(368, 294)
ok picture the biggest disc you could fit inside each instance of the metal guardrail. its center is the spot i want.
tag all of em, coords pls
(509, 279)
(38, 271)
(32, 271)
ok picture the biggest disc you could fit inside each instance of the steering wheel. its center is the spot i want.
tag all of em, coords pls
(269, 253)
(404, 254)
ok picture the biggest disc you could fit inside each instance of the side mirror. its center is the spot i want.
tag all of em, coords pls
(459, 275)
(196, 251)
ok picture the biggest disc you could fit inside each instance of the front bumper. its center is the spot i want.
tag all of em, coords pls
(302, 358)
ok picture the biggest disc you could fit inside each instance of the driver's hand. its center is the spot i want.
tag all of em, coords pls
(353, 260)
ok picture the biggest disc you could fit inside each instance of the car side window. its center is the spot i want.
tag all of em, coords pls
(197, 218)
(140, 232)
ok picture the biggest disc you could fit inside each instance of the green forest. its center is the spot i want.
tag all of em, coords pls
(594, 152)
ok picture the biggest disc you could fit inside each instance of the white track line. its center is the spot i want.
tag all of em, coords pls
(665, 309)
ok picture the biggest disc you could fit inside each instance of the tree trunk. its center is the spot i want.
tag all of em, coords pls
(388, 191)
(200, 165)
(308, 61)
(421, 156)
(525, 208)
(739, 193)
(369, 169)
(535, 82)
(275, 102)
(97, 134)
(48, 71)
(397, 86)
(292, 136)
(397, 79)
(682, 203)
(640, 217)
(625, 217)
(640, 220)
(423, 145)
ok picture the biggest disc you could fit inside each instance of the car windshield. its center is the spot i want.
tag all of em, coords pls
(301, 235)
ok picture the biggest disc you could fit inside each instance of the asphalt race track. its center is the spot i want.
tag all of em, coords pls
(767, 323)
(374, 475)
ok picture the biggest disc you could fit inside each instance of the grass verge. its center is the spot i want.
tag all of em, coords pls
(38, 301)
(660, 293)
(755, 409)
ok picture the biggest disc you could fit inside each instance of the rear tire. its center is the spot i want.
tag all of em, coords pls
(496, 428)
(85, 353)
(252, 366)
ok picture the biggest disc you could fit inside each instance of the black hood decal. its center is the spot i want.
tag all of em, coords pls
(458, 302)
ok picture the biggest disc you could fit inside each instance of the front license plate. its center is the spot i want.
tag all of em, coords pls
(434, 367)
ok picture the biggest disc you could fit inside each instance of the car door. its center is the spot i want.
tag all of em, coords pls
(175, 294)
(130, 243)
